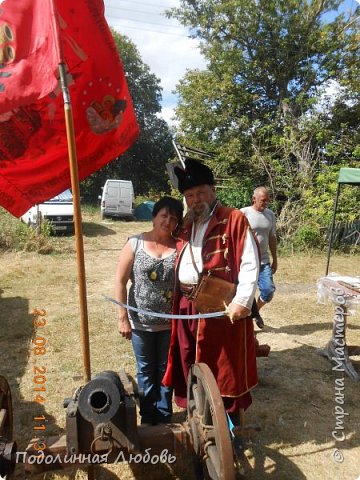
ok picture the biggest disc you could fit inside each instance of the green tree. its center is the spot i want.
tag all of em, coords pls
(257, 104)
(144, 163)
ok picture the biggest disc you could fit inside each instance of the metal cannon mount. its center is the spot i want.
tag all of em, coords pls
(101, 419)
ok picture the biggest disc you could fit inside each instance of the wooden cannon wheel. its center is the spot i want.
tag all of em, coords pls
(208, 425)
(6, 415)
(7, 448)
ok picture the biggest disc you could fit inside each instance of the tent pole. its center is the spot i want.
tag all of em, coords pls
(332, 228)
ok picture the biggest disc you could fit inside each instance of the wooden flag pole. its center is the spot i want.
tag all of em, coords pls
(74, 174)
(78, 226)
(84, 326)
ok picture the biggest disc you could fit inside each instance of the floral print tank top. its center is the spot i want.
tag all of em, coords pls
(152, 283)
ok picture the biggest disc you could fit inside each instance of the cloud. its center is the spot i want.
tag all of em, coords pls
(163, 43)
(167, 113)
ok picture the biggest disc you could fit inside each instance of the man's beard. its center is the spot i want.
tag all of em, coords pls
(201, 217)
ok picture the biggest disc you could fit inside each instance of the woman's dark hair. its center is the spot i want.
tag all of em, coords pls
(171, 204)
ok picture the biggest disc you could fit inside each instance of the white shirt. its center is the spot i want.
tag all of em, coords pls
(248, 274)
(249, 266)
(187, 272)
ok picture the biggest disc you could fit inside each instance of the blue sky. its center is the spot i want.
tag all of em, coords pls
(346, 6)
(163, 44)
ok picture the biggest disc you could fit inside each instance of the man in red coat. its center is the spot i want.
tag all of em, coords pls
(218, 240)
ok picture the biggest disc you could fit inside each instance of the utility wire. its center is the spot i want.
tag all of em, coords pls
(140, 3)
(136, 10)
(141, 12)
(289, 39)
(148, 30)
(137, 20)
(185, 35)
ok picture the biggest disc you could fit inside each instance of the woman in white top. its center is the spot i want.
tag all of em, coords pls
(147, 260)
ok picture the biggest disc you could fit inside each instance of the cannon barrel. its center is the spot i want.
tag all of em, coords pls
(101, 398)
(101, 417)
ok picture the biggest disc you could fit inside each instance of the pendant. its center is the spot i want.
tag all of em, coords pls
(167, 295)
(153, 275)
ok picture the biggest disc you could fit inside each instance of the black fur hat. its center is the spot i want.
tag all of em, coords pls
(195, 174)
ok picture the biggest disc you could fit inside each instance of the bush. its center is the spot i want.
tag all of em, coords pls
(309, 236)
(319, 199)
(15, 235)
(31, 240)
(236, 197)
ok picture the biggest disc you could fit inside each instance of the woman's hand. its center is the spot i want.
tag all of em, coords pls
(123, 271)
(124, 326)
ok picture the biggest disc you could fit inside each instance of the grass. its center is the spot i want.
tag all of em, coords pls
(16, 236)
(293, 403)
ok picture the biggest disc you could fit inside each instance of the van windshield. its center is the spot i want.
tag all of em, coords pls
(64, 197)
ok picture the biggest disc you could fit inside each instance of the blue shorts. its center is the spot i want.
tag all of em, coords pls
(266, 283)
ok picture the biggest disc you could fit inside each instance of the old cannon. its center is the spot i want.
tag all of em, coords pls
(7, 446)
(101, 417)
(101, 422)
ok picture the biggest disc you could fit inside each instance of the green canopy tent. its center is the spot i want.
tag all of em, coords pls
(347, 176)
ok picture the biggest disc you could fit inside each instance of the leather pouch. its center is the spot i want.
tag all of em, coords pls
(211, 294)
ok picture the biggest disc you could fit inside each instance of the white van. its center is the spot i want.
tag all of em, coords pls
(59, 211)
(117, 199)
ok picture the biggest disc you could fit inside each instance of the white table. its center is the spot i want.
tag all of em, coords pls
(344, 293)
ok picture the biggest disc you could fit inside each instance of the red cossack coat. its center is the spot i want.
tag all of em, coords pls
(228, 348)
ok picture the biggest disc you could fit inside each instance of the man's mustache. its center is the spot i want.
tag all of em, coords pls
(192, 215)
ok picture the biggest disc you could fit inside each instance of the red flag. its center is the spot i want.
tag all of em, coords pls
(28, 61)
(34, 163)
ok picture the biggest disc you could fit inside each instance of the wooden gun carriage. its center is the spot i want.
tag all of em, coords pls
(101, 421)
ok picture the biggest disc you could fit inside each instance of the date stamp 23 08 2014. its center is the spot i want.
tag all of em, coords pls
(39, 379)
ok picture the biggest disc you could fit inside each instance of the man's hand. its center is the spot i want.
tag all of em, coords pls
(237, 312)
(124, 326)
